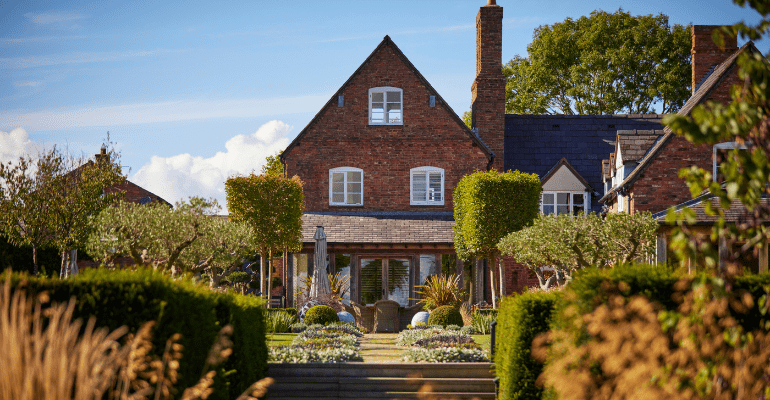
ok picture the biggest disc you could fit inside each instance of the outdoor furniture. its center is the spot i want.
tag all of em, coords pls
(407, 313)
(364, 315)
(386, 316)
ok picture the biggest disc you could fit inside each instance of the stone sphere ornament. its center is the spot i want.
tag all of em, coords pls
(421, 316)
(346, 317)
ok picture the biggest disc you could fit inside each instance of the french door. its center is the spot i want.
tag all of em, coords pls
(385, 278)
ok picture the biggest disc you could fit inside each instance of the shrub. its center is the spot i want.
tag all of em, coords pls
(279, 322)
(481, 321)
(519, 320)
(443, 355)
(323, 315)
(298, 327)
(468, 330)
(131, 298)
(445, 315)
(440, 290)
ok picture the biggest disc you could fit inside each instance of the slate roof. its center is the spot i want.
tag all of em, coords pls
(381, 227)
(635, 143)
(733, 215)
(535, 143)
(701, 95)
(387, 41)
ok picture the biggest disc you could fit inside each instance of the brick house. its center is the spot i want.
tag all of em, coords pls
(380, 162)
(642, 173)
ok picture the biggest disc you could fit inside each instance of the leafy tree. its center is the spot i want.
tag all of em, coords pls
(567, 243)
(746, 172)
(273, 165)
(24, 207)
(489, 206)
(151, 234)
(271, 205)
(80, 190)
(605, 63)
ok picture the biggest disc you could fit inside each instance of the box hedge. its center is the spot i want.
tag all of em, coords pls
(519, 319)
(130, 298)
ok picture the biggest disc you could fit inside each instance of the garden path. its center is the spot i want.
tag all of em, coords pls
(380, 348)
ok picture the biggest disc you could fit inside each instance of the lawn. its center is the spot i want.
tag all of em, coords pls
(279, 339)
(483, 340)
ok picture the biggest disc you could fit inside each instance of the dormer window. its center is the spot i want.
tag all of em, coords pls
(427, 186)
(346, 186)
(385, 106)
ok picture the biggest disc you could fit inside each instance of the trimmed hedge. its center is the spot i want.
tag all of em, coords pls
(519, 319)
(131, 298)
(485, 311)
(445, 315)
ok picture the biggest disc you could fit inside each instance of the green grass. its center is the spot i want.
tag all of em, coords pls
(483, 340)
(279, 339)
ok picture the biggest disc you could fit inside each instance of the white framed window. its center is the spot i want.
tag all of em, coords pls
(427, 186)
(346, 186)
(572, 203)
(386, 106)
(621, 203)
(720, 152)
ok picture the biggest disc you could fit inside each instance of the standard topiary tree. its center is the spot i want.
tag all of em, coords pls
(323, 315)
(488, 206)
(445, 315)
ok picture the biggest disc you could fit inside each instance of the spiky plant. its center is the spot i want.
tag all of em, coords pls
(440, 290)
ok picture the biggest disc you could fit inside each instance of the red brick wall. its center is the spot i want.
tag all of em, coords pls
(342, 137)
(488, 90)
(517, 276)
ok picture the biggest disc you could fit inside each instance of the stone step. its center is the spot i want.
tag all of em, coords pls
(304, 384)
(404, 370)
(388, 395)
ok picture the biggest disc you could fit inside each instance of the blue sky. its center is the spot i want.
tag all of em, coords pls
(195, 91)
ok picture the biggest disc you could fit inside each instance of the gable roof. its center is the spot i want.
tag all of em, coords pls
(535, 143)
(712, 82)
(564, 163)
(735, 214)
(635, 143)
(387, 42)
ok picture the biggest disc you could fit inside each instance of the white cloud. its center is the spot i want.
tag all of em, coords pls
(28, 84)
(15, 144)
(54, 17)
(79, 58)
(169, 111)
(179, 177)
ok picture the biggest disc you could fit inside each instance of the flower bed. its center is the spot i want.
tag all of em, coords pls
(320, 344)
(435, 344)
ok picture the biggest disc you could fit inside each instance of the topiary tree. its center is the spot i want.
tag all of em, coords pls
(566, 243)
(321, 314)
(489, 206)
(272, 205)
(445, 315)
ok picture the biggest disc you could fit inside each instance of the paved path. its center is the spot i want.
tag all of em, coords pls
(380, 348)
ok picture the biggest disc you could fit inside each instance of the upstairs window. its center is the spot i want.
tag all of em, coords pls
(346, 186)
(385, 106)
(572, 203)
(427, 185)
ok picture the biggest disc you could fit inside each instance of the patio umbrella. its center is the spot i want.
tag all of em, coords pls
(320, 286)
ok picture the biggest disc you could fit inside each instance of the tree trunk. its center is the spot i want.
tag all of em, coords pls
(501, 265)
(472, 282)
(63, 270)
(73, 262)
(262, 273)
(491, 264)
(34, 260)
(270, 280)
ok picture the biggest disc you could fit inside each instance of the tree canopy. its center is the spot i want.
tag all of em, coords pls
(605, 63)
(745, 171)
(272, 206)
(565, 243)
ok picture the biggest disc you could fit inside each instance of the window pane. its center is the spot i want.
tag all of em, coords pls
(418, 186)
(547, 209)
(394, 97)
(371, 280)
(394, 113)
(338, 187)
(578, 210)
(354, 176)
(338, 177)
(562, 198)
(435, 187)
(338, 198)
(398, 281)
(562, 209)
(354, 198)
(377, 96)
(548, 199)
(577, 199)
(354, 187)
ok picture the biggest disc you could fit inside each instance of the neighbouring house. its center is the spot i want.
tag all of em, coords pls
(642, 173)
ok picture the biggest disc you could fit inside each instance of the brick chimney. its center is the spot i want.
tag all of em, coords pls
(706, 54)
(488, 103)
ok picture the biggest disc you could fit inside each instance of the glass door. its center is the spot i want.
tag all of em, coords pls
(385, 279)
